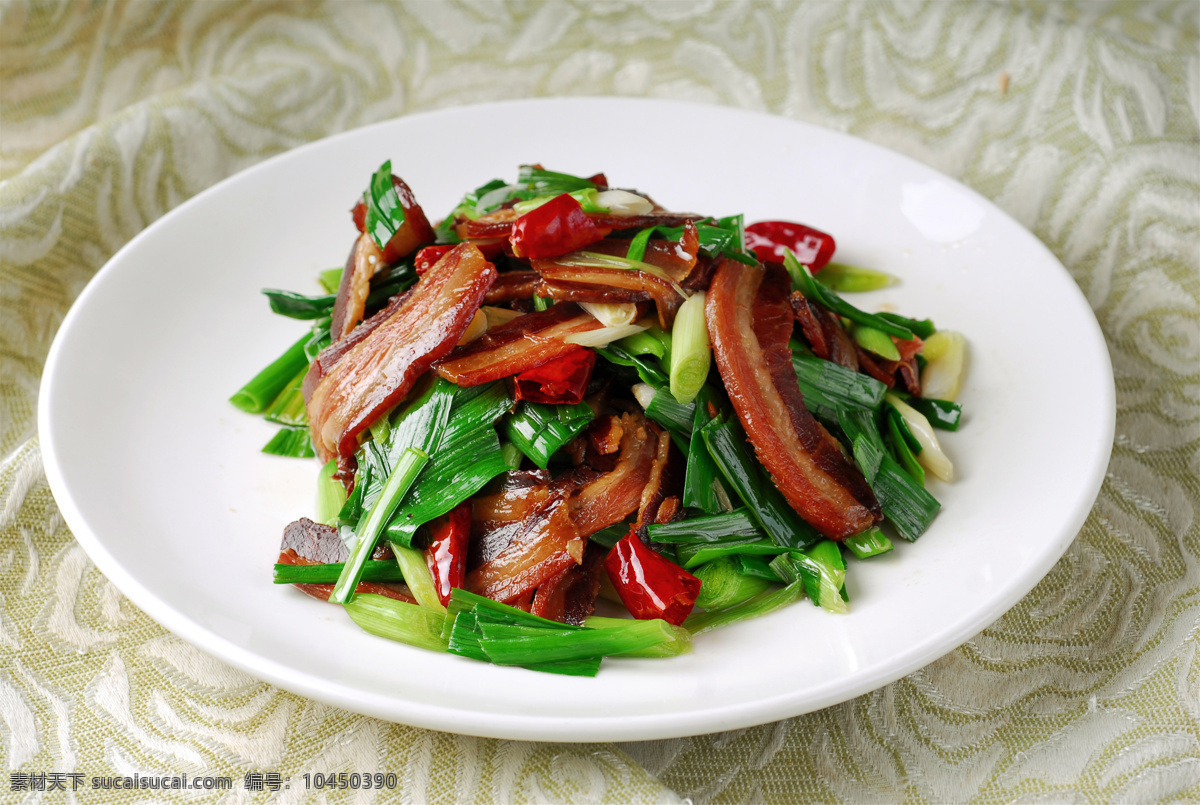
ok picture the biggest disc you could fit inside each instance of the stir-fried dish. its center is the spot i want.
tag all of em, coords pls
(564, 392)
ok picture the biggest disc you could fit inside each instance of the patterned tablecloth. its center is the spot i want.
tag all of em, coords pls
(1081, 120)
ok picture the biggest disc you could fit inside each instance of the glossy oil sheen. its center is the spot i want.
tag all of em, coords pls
(175, 478)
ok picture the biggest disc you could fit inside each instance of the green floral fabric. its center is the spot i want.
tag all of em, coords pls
(1081, 120)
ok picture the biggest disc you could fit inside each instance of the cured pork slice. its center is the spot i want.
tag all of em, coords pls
(351, 387)
(524, 343)
(750, 322)
(527, 535)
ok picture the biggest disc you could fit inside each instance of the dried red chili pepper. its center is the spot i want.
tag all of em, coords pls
(560, 381)
(768, 239)
(650, 585)
(600, 180)
(428, 256)
(553, 229)
(446, 555)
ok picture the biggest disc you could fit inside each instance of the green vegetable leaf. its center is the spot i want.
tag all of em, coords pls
(816, 292)
(385, 215)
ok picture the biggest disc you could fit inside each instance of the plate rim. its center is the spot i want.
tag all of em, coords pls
(519, 726)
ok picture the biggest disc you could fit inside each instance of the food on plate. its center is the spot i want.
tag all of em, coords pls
(564, 393)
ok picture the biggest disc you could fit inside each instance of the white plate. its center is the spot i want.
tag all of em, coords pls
(162, 481)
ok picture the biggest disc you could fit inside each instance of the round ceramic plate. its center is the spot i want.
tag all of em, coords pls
(162, 481)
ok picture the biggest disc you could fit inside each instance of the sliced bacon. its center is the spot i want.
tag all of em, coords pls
(874, 366)
(604, 437)
(661, 499)
(570, 597)
(676, 258)
(616, 494)
(886, 371)
(496, 224)
(499, 223)
(524, 343)
(312, 543)
(523, 601)
(573, 283)
(329, 356)
(656, 218)
(907, 369)
(524, 479)
(550, 596)
(512, 285)
(497, 518)
(809, 317)
(670, 508)
(364, 260)
(844, 351)
(599, 445)
(750, 322)
(414, 232)
(588, 292)
(655, 490)
(519, 555)
(309, 543)
(378, 370)
(824, 332)
(564, 280)
(398, 592)
(538, 532)
(702, 274)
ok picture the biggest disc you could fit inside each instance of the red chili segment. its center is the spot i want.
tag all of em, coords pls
(650, 585)
(556, 227)
(560, 381)
(446, 555)
(499, 223)
(768, 239)
(428, 256)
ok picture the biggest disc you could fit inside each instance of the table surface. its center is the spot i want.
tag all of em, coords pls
(1080, 120)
